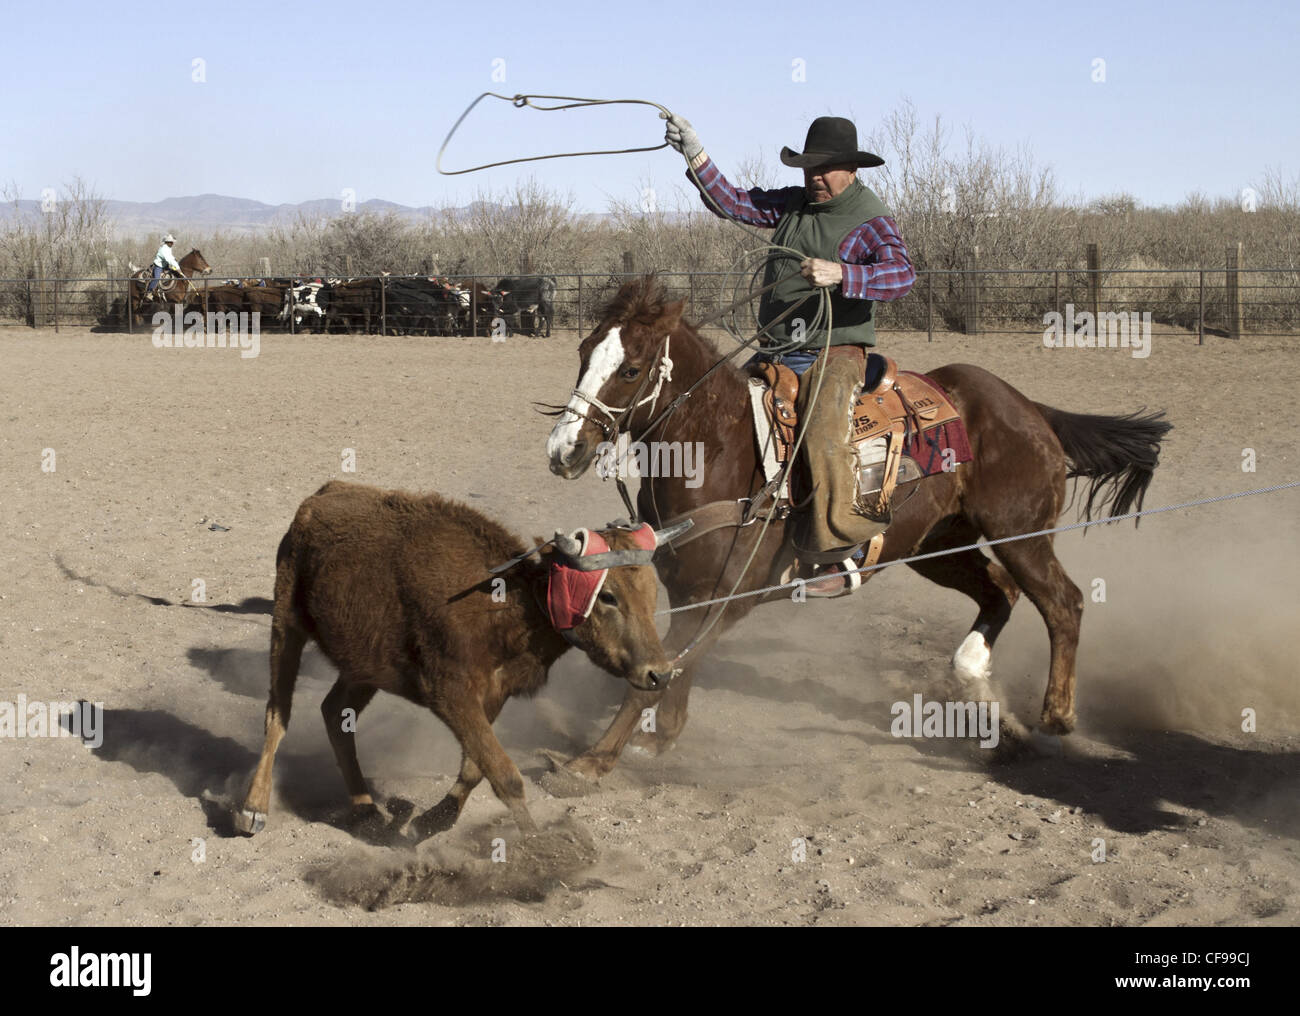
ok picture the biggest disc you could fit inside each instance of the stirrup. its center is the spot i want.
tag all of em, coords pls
(849, 572)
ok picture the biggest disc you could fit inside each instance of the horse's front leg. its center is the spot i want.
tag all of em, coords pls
(650, 719)
(602, 756)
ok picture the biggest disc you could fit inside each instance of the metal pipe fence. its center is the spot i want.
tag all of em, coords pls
(1225, 302)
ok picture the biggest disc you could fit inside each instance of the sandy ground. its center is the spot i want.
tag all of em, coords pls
(789, 737)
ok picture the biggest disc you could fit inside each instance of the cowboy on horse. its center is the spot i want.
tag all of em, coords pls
(163, 259)
(852, 247)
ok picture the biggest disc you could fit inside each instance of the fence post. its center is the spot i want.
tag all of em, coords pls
(929, 306)
(972, 322)
(1234, 259)
(1094, 281)
(1200, 316)
(1056, 291)
(579, 306)
(473, 305)
(130, 308)
(690, 299)
(293, 311)
(109, 267)
(54, 298)
(383, 305)
(40, 296)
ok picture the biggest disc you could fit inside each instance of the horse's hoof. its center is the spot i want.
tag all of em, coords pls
(654, 744)
(250, 823)
(652, 747)
(586, 767)
(554, 759)
(1053, 723)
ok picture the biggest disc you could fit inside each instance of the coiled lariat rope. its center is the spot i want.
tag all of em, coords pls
(762, 256)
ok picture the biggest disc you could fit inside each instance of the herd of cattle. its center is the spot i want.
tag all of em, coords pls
(400, 305)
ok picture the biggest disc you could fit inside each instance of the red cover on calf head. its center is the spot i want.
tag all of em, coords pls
(570, 594)
(645, 536)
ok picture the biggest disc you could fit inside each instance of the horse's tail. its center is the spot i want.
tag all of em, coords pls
(1116, 454)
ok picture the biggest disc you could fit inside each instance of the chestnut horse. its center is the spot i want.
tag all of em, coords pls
(174, 290)
(1024, 452)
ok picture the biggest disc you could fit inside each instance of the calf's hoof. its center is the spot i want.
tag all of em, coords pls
(438, 819)
(365, 818)
(250, 823)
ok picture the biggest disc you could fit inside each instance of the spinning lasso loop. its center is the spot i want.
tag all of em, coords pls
(763, 255)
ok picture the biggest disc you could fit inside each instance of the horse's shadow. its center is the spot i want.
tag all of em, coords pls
(746, 679)
(1256, 788)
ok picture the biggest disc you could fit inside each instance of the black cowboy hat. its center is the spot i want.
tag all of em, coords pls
(830, 139)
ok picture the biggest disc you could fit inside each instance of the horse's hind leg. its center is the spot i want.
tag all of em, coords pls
(286, 653)
(1034, 566)
(990, 586)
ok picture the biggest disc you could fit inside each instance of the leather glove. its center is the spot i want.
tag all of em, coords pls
(821, 273)
(681, 136)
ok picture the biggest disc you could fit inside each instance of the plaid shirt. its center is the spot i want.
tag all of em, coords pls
(875, 262)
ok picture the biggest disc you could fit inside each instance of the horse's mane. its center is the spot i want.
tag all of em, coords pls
(642, 300)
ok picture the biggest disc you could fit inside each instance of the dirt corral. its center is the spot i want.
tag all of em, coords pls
(786, 801)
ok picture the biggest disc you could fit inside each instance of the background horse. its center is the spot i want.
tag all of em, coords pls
(174, 290)
(1024, 453)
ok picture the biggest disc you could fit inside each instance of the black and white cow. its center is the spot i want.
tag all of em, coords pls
(304, 301)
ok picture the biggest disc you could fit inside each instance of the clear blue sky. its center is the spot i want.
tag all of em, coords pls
(301, 102)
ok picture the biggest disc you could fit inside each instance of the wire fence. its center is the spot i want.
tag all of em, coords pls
(1225, 302)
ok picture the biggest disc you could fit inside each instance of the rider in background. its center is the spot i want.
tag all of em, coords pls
(163, 259)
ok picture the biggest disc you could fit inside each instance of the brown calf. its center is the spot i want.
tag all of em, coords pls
(395, 589)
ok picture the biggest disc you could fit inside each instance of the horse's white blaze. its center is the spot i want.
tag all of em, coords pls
(973, 665)
(604, 360)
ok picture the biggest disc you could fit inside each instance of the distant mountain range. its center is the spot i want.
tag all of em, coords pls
(211, 212)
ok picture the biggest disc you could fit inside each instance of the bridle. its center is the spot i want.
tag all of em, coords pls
(661, 372)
